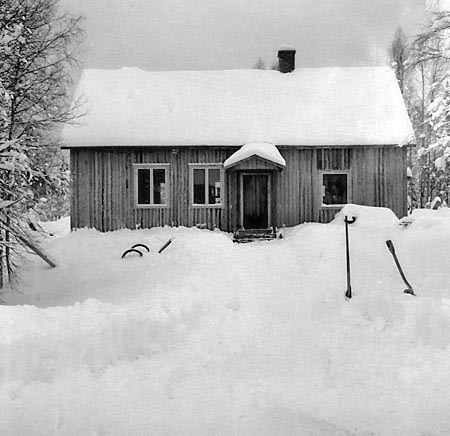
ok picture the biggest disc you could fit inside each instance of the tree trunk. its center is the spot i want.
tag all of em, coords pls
(1, 259)
(8, 249)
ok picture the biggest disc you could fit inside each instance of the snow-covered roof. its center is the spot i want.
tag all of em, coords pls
(266, 150)
(308, 107)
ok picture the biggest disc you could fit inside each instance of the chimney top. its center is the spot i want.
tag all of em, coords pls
(286, 59)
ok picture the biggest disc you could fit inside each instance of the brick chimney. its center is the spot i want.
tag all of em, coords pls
(286, 60)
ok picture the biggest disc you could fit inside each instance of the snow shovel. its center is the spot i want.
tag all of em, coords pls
(409, 289)
(348, 292)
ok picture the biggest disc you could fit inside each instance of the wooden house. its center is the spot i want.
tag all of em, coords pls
(236, 149)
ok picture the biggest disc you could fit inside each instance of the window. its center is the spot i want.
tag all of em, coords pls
(334, 189)
(206, 185)
(151, 184)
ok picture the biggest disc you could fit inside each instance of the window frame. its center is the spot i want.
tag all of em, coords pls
(151, 167)
(206, 166)
(321, 190)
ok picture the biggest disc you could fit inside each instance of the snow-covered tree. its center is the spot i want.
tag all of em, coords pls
(431, 64)
(37, 54)
(422, 68)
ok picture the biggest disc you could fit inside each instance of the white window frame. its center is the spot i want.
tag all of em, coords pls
(206, 167)
(322, 190)
(151, 167)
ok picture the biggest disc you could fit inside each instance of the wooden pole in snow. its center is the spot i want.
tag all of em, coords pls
(30, 246)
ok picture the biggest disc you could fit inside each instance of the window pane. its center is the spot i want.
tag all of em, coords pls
(335, 188)
(199, 186)
(159, 186)
(143, 186)
(214, 187)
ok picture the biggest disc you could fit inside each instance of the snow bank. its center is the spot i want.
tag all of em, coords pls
(60, 227)
(211, 337)
(345, 106)
(426, 219)
(366, 216)
(40, 345)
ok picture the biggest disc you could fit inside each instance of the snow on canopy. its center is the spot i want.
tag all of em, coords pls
(310, 106)
(265, 150)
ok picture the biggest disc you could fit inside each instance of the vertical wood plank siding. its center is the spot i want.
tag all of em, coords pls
(103, 186)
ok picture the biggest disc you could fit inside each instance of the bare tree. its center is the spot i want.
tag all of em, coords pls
(399, 56)
(259, 65)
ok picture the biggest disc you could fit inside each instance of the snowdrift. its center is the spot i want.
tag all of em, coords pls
(211, 337)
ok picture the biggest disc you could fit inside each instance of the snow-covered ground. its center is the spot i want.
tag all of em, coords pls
(215, 338)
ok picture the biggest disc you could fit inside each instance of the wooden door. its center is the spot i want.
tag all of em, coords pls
(255, 201)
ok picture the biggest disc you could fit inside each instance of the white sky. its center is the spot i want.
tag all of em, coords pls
(229, 34)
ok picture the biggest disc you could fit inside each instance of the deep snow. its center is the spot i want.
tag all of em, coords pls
(310, 106)
(211, 337)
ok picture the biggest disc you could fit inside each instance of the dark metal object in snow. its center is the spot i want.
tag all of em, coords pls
(131, 250)
(348, 292)
(409, 289)
(252, 235)
(141, 245)
(165, 245)
(134, 248)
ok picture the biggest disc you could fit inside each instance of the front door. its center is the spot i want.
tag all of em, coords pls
(255, 201)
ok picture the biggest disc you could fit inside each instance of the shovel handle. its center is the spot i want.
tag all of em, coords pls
(390, 246)
(348, 292)
(351, 220)
(165, 245)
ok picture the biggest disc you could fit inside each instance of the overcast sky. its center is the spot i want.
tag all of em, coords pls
(230, 34)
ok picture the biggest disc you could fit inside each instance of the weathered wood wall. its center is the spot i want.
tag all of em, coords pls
(377, 177)
(103, 188)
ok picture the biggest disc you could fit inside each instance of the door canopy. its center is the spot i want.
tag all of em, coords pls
(262, 150)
